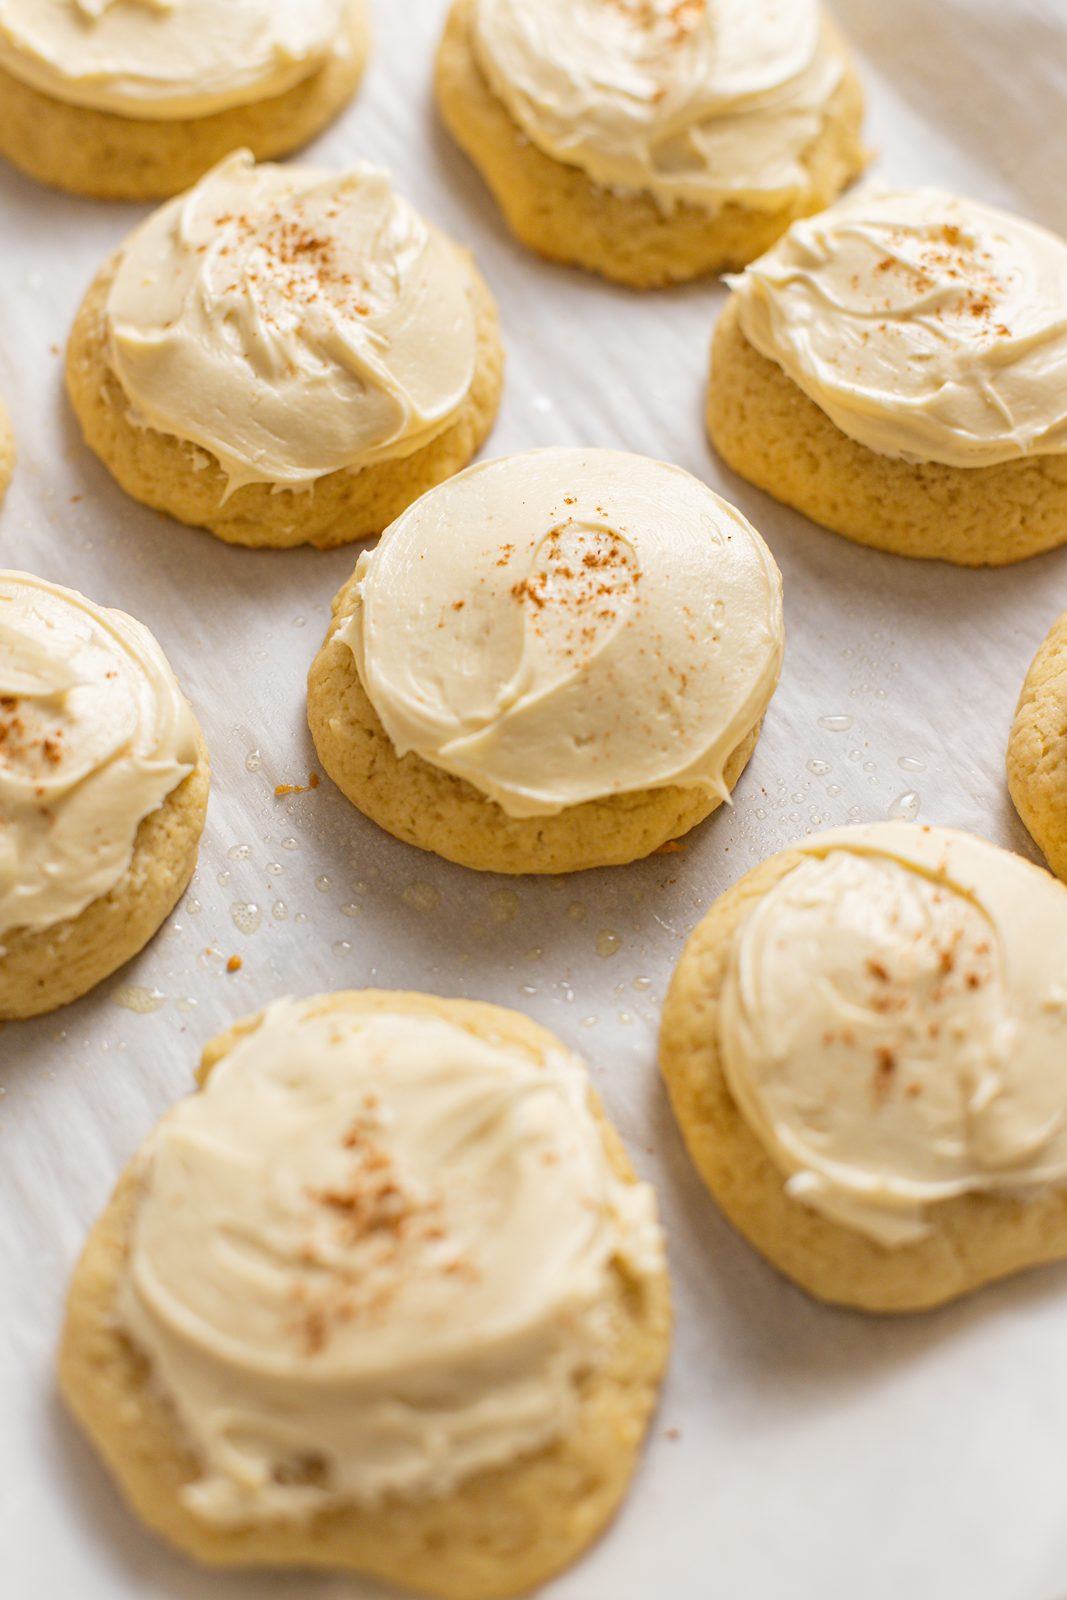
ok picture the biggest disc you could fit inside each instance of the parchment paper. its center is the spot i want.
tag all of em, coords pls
(799, 1452)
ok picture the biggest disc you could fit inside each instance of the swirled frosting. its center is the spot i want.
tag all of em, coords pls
(701, 101)
(292, 322)
(927, 327)
(374, 1255)
(893, 1025)
(568, 625)
(94, 734)
(170, 59)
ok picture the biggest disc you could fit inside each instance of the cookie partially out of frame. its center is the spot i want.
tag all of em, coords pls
(7, 450)
(43, 969)
(106, 156)
(1037, 750)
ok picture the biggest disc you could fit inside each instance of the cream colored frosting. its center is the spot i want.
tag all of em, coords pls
(374, 1255)
(568, 625)
(701, 101)
(94, 734)
(293, 322)
(170, 59)
(927, 327)
(893, 1025)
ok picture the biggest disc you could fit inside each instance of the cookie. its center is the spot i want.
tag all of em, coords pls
(632, 142)
(834, 1045)
(1037, 750)
(554, 662)
(445, 1376)
(137, 102)
(7, 450)
(328, 430)
(103, 793)
(935, 433)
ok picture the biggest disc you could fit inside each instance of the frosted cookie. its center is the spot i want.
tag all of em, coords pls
(897, 370)
(648, 140)
(136, 99)
(349, 354)
(865, 1043)
(7, 450)
(103, 793)
(556, 661)
(1037, 751)
(383, 1296)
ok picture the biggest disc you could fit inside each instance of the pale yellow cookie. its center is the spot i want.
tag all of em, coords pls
(1037, 750)
(556, 661)
(501, 1532)
(560, 212)
(7, 450)
(187, 482)
(103, 792)
(972, 1239)
(108, 156)
(767, 430)
(896, 368)
(424, 806)
(48, 968)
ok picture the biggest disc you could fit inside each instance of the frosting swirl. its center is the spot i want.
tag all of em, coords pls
(94, 734)
(374, 1255)
(697, 101)
(926, 327)
(169, 59)
(567, 625)
(292, 322)
(893, 1025)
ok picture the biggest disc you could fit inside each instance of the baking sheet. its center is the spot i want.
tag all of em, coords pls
(798, 1451)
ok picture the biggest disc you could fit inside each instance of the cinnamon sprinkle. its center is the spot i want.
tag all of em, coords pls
(298, 788)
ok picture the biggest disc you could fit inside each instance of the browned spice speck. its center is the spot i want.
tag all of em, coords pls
(886, 1066)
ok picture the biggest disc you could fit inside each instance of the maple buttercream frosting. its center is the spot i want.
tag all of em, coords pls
(372, 1257)
(170, 59)
(94, 735)
(292, 322)
(926, 327)
(568, 625)
(893, 1026)
(704, 101)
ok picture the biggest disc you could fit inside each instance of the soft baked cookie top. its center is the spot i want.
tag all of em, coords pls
(170, 59)
(925, 326)
(567, 625)
(376, 1254)
(697, 101)
(94, 734)
(293, 322)
(893, 1025)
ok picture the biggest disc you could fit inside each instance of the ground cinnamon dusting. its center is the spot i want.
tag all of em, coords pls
(298, 788)
(19, 742)
(300, 260)
(681, 18)
(372, 1210)
(886, 1066)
